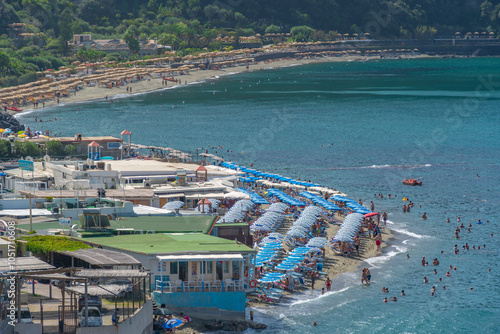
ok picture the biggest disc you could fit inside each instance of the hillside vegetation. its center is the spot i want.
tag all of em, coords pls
(191, 25)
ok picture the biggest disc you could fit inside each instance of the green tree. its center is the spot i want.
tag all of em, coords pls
(302, 33)
(65, 29)
(55, 148)
(132, 43)
(70, 150)
(211, 11)
(5, 148)
(4, 62)
(273, 29)
(26, 149)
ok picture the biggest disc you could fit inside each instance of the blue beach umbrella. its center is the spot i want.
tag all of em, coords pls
(172, 323)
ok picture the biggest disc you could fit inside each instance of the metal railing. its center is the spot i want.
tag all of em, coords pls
(201, 286)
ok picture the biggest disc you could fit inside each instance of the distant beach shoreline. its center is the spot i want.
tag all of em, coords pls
(94, 93)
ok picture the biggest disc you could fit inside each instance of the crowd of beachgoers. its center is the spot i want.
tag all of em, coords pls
(298, 229)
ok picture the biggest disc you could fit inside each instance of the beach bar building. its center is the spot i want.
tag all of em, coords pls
(195, 273)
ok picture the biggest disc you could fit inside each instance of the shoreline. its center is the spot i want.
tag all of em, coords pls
(95, 93)
(333, 267)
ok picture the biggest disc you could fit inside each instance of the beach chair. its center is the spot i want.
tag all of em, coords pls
(270, 294)
(268, 298)
(302, 282)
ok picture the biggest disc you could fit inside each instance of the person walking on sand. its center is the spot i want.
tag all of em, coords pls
(378, 241)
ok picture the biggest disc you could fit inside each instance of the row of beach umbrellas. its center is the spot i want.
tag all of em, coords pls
(320, 201)
(283, 197)
(270, 221)
(256, 198)
(349, 227)
(237, 211)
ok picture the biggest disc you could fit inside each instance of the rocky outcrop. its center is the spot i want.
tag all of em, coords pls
(8, 121)
(233, 326)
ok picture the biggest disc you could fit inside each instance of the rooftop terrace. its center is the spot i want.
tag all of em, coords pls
(169, 243)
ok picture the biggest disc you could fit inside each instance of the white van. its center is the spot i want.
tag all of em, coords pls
(95, 318)
(26, 317)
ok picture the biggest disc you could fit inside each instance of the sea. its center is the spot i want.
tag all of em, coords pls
(358, 127)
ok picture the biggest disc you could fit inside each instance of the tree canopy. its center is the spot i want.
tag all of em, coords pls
(195, 24)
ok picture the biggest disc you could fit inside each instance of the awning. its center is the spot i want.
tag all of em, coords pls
(29, 263)
(199, 257)
(172, 195)
(111, 273)
(200, 196)
(97, 290)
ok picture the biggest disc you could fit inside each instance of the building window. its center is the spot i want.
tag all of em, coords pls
(208, 267)
(226, 267)
(236, 268)
(174, 268)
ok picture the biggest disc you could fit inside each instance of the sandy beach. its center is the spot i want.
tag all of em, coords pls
(334, 265)
(91, 93)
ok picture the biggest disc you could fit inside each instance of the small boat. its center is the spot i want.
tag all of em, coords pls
(412, 182)
(14, 109)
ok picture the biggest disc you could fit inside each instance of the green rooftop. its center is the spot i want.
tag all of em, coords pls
(43, 226)
(163, 224)
(161, 243)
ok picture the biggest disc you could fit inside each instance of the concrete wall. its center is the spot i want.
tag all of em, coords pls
(5, 328)
(126, 210)
(228, 305)
(16, 203)
(28, 329)
(140, 323)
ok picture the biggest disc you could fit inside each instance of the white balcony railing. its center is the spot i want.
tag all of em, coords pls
(199, 286)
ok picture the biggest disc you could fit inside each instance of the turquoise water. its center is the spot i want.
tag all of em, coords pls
(361, 128)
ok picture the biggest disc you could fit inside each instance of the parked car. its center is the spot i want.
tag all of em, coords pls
(92, 301)
(94, 316)
(26, 317)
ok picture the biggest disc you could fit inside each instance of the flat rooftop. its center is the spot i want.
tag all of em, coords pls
(163, 243)
(140, 167)
(186, 224)
(163, 224)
